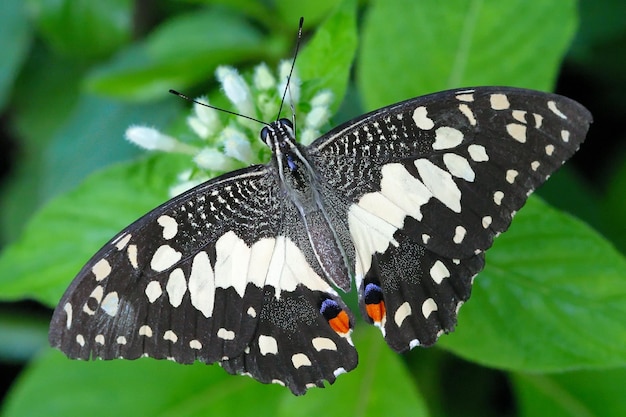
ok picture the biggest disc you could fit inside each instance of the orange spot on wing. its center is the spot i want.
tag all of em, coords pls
(340, 323)
(376, 311)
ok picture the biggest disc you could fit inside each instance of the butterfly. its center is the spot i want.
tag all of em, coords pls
(246, 270)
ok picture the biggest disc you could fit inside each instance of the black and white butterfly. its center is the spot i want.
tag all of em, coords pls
(244, 270)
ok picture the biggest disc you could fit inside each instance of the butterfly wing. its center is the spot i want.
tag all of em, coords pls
(221, 273)
(427, 184)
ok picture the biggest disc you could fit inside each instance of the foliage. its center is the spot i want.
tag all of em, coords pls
(546, 314)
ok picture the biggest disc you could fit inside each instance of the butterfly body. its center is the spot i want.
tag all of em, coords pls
(245, 270)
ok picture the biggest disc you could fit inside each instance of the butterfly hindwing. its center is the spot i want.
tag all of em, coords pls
(439, 177)
(201, 278)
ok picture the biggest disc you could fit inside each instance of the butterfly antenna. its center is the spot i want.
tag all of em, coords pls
(293, 64)
(181, 95)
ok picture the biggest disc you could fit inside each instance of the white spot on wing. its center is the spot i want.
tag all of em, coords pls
(467, 97)
(222, 333)
(534, 165)
(554, 109)
(121, 243)
(517, 132)
(121, 340)
(169, 225)
(176, 287)
(459, 234)
(420, 117)
(195, 344)
(232, 257)
(565, 135)
(299, 360)
(153, 291)
(259, 263)
(467, 112)
(99, 339)
(511, 174)
(520, 116)
(428, 307)
(288, 268)
(402, 313)
(447, 137)
(497, 197)
(132, 255)
(478, 153)
(164, 257)
(145, 330)
(171, 336)
(110, 303)
(251, 312)
(549, 150)
(499, 101)
(68, 315)
(267, 345)
(323, 343)
(80, 339)
(459, 167)
(202, 284)
(440, 184)
(438, 272)
(101, 269)
(486, 222)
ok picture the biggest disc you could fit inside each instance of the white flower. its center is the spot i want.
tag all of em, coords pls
(293, 93)
(236, 90)
(204, 120)
(153, 140)
(211, 159)
(219, 146)
(236, 145)
(263, 78)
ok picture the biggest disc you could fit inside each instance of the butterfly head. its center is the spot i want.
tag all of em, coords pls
(278, 134)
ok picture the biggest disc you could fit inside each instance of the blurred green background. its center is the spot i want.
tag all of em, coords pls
(544, 333)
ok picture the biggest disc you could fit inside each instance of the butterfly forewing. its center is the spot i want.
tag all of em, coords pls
(238, 271)
(438, 177)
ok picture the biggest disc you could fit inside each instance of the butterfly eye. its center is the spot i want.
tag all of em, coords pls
(286, 123)
(265, 132)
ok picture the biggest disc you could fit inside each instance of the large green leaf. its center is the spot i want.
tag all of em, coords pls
(63, 235)
(410, 47)
(84, 28)
(551, 298)
(15, 38)
(581, 394)
(182, 51)
(326, 61)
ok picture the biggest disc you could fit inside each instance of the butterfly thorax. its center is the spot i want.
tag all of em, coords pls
(299, 184)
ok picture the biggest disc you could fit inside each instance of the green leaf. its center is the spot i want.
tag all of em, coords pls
(15, 39)
(84, 28)
(326, 60)
(410, 48)
(313, 11)
(144, 387)
(615, 207)
(93, 138)
(184, 50)
(583, 394)
(69, 230)
(551, 298)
